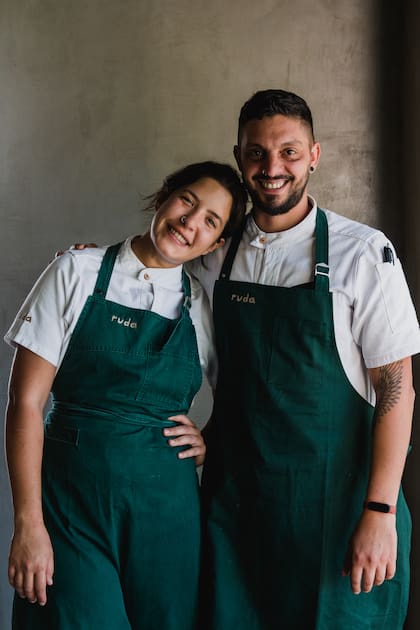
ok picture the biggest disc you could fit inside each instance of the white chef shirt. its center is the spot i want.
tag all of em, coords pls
(48, 316)
(374, 318)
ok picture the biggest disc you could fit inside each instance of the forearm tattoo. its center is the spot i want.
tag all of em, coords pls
(389, 386)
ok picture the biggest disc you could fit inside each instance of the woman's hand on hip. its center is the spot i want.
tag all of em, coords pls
(186, 433)
(31, 563)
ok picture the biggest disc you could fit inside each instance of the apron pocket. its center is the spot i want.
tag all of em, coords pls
(296, 355)
(59, 433)
(168, 381)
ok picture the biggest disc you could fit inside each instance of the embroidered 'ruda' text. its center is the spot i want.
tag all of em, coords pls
(243, 298)
(123, 322)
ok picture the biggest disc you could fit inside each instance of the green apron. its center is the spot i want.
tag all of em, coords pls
(122, 510)
(287, 466)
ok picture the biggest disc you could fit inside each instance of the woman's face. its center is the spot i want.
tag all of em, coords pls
(189, 223)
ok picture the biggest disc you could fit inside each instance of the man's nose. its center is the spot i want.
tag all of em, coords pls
(272, 166)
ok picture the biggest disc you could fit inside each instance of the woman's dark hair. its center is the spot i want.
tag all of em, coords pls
(272, 102)
(224, 174)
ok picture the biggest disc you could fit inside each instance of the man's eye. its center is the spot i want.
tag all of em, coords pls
(255, 154)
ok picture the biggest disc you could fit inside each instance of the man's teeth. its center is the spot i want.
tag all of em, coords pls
(178, 236)
(274, 185)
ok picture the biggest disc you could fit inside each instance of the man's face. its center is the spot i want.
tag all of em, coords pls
(274, 157)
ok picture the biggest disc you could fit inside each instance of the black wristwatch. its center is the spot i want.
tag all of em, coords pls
(380, 507)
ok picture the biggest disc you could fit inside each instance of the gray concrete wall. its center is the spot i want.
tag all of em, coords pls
(101, 98)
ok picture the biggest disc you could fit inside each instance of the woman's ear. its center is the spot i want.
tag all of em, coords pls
(219, 243)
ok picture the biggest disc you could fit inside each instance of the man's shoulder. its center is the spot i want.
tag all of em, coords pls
(342, 227)
(209, 263)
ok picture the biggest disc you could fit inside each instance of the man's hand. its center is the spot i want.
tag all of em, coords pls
(75, 246)
(372, 553)
(186, 433)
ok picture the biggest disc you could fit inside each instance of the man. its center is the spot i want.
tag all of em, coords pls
(306, 448)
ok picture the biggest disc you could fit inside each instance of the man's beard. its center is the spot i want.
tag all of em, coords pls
(287, 205)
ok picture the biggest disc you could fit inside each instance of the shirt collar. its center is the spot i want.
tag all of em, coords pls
(299, 232)
(168, 278)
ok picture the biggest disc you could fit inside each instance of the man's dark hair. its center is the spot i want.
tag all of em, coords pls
(272, 102)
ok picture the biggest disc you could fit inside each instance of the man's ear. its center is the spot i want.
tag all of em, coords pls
(315, 154)
(219, 243)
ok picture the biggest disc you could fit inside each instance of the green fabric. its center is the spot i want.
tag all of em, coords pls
(121, 508)
(287, 467)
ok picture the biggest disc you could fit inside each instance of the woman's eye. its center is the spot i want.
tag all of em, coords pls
(212, 222)
(187, 200)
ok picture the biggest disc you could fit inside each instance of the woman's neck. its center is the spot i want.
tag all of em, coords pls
(144, 249)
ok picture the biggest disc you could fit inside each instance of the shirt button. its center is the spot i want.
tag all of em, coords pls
(146, 276)
(262, 239)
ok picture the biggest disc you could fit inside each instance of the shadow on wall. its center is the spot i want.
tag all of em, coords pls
(399, 137)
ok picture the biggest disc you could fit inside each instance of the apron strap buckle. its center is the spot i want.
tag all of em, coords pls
(322, 269)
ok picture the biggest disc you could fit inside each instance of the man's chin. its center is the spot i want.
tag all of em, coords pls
(273, 208)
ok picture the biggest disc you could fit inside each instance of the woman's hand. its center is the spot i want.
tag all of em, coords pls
(186, 433)
(31, 558)
(31, 563)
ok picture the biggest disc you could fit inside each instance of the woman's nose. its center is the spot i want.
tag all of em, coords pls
(189, 220)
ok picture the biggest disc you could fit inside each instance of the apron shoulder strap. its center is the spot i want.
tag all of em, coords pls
(233, 248)
(322, 269)
(186, 286)
(105, 270)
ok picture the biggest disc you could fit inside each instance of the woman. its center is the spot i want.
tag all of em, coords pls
(109, 334)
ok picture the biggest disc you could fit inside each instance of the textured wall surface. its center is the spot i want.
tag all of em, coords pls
(100, 99)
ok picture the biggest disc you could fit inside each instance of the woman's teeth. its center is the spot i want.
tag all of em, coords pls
(178, 236)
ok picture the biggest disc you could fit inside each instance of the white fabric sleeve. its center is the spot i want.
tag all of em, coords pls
(42, 323)
(202, 318)
(385, 324)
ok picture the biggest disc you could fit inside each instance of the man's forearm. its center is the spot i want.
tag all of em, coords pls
(391, 434)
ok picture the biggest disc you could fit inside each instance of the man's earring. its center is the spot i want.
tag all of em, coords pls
(312, 169)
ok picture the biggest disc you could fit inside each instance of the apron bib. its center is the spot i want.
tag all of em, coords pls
(121, 509)
(287, 466)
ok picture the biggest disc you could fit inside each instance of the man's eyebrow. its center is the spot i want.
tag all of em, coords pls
(283, 144)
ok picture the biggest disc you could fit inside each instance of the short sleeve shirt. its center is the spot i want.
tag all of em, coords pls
(374, 318)
(48, 316)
